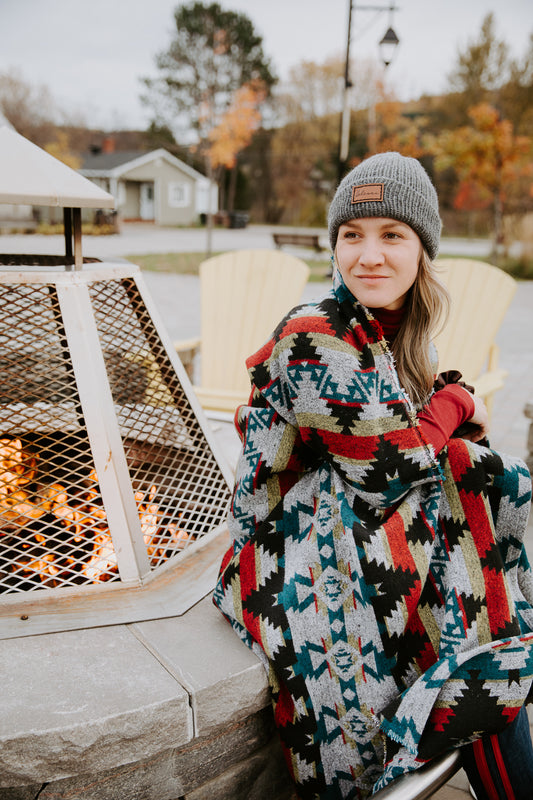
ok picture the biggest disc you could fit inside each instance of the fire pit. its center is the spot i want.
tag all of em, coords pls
(108, 472)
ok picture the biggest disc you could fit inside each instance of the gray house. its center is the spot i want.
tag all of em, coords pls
(154, 186)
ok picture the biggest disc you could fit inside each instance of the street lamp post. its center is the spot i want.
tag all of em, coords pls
(345, 117)
(388, 44)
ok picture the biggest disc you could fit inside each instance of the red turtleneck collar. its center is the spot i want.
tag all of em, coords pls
(390, 321)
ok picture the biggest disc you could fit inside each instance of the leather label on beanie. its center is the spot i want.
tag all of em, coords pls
(367, 191)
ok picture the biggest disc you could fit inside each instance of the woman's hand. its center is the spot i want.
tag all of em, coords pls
(480, 418)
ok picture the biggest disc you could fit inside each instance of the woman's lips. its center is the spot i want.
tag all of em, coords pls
(371, 278)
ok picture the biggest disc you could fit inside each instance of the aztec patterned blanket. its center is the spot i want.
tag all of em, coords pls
(386, 590)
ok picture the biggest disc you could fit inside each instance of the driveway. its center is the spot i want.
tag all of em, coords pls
(139, 238)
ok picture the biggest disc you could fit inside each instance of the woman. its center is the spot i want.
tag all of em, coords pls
(377, 564)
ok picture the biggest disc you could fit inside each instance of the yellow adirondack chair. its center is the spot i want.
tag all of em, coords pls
(243, 296)
(481, 295)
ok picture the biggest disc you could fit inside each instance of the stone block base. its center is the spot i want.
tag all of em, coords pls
(241, 762)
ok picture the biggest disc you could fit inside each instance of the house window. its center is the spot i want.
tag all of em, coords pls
(179, 194)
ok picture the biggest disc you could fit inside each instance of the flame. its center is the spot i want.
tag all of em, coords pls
(103, 561)
(82, 516)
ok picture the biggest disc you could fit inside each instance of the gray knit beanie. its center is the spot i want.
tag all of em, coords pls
(388, 185)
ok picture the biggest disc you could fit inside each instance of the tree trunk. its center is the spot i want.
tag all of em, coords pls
(222, 192)
(499, 240)
(232, 188)
(209, 221)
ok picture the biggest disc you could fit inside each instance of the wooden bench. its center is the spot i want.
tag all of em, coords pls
(298, 239)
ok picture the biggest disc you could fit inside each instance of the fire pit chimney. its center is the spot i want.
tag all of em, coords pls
(32, 176)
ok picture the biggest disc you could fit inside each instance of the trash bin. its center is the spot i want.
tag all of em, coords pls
(238, 219)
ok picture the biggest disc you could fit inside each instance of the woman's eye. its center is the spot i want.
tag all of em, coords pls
(392, 235)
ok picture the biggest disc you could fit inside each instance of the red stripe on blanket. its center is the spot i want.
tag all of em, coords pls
(480, 527)
(247, 570)
(228, 555)
(497, 603)
(309, 324)
(511, 712)
(284, 707)
(426, 657)
(402, 559)
(478, 523)
(440, 717)
(360, 448)
(401, 555)
(405, 438)
(262, 355)
(498, 609)
(459, 458)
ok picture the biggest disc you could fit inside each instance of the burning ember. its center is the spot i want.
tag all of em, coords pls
(30, 512)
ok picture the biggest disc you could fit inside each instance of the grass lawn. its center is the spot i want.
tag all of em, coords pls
(188, 263)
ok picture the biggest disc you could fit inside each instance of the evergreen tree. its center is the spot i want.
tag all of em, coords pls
(213, 53)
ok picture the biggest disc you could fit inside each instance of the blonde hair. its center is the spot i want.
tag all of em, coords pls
(427, 308)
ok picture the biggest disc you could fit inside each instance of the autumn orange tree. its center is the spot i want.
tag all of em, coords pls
(392, 129)
(234, 131)
(491, 163)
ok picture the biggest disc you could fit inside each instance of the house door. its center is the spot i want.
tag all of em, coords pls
(146, 200)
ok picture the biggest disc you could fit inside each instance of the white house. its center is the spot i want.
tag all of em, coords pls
(153, 186)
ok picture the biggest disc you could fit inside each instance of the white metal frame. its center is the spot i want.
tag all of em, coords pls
(174, 586)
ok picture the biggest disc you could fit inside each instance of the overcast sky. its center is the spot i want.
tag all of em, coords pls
(91, 53)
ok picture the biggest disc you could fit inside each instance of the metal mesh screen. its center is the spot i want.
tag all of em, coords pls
(53, 529)
(178, 485)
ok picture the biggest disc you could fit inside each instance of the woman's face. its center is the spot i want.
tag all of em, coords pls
(378, 260)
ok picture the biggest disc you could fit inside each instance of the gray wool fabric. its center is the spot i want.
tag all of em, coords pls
(389, 185)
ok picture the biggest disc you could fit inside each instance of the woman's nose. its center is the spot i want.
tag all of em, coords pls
(371, 252)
